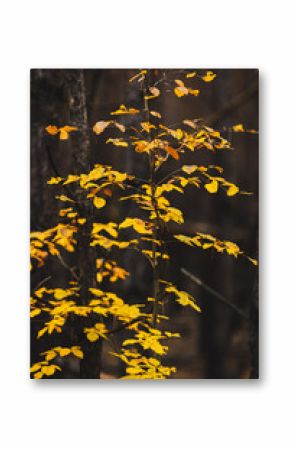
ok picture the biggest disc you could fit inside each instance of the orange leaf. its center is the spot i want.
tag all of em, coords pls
(172, 152)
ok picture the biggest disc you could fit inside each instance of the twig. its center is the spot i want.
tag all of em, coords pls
(213, 292)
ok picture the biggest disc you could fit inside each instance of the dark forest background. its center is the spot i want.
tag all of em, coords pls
(221, 342)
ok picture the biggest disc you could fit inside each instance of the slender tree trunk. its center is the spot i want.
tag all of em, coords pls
(90, 366)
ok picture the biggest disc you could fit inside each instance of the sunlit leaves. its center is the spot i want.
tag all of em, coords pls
(63, 132)
(110, 228)
(99, 202)
(191, 75)
(100, 126)
(108, 303)
(209, 76)
(109, 269)
(240, 128)
(154, 91)
(124, 110)
(207, 241)
(41, 369)
(141, 367)
(118, 142)
(94, 333)
(155, 114)
(181, 90)
(54, 180)
(212, 186)
(183, 298)
(49, 241)
(137, 224)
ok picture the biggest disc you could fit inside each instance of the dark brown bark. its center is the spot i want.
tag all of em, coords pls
(90, 366)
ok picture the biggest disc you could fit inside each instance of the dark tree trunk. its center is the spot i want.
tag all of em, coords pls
(90, 366)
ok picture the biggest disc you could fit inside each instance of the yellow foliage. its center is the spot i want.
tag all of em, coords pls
(183, 298)
(208, 77)
(137, 224)
(123, 110)
(99, 202)
(118, 142)
(100, 127)
(63, 132)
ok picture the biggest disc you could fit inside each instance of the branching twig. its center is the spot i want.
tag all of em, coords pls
(213, 292)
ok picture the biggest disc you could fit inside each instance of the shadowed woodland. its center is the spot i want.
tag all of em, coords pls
(221, 342)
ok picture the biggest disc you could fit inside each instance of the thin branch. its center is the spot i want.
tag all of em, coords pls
(213, 292)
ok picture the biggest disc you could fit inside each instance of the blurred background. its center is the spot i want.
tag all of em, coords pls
(222, 341)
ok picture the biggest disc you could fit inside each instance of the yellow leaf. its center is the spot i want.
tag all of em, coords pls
(138, 225)
(233, 190)
(208, 77)
(41, 332)
(190, 123)
(64, 198)
(99, 202)
(92, 336)
(64, 352)
(155, 93)
(38, 375)
(146, 126)
(155, 114)
(180, 91)
(48, 370)
(63, 131)
(212, 187)
(239, 128)
(71, 178)
(50, 355)
(77, 352)
(52, 130)
(189, 168)
(118, 142)
(190, 75)
(35, 312)
(35, 367)
(254, 261)
(99, 127)
(194, 92)
(56, 180)
(123, 110)
(120, 127)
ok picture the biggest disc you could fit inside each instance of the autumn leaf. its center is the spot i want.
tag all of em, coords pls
(180, 90)
(208, 77)
(189, 168)
(118, 142)
(141, 146)
(120, 127)
(233, 190)
(172, 152)
(239, 128)
(155, 93)
(63, 131)
(190, 75)
(56, 180)
(212, 187)
(155, 114)
(190, 123)
(64, 198)
(123, 110)
(99, 127)
(99, 202)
